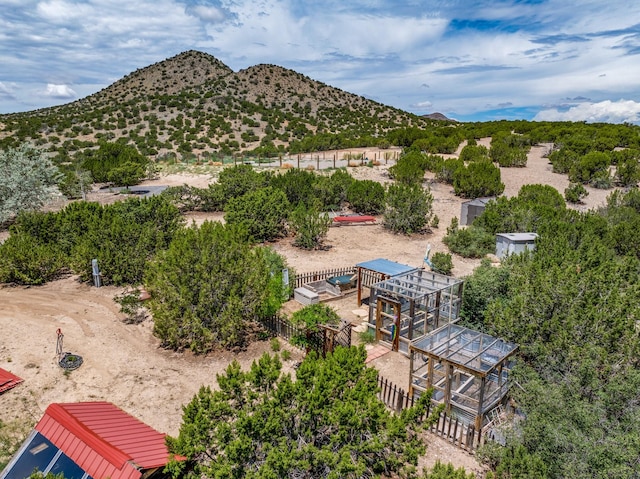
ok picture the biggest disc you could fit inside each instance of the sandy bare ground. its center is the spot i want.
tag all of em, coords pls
(125, 364)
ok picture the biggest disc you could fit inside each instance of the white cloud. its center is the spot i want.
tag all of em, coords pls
(605, 111)
(5, 91)
(208, 14)
(63, 12)
(63, 92)
(271, 31)
(422, 105)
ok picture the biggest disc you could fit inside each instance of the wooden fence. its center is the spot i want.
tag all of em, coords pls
(303, 278)
(453, 430)
(281, 327)
(323, 341)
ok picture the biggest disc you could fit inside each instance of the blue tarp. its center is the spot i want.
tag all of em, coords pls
(384, 266)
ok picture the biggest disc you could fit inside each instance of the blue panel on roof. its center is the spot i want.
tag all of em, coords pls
(384, 266)
(40, 454)
(66, 467)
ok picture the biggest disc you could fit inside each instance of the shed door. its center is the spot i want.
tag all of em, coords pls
(388, 321)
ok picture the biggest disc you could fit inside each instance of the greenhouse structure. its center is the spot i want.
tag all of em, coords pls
(407, 306)
(468, 371)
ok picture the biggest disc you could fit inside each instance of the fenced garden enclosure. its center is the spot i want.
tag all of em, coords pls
(414, 311)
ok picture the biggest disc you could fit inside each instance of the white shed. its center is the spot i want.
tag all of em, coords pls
(514, 243)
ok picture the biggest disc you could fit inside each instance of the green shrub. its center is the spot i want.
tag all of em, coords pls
(312, 315)
(209, 285)
(235, 181)
(285, 355)
(470, 242)
(297, 185)
(25, 260)
(575, 192)
(123, 237)
(409, 208)
(275, 345)
(602, 180)
(410, 168)
(126, 174)
(590, 166)
(309, 317)
(331, 190)
(563, 160)
(509, 150)
(446, 471)
(442, 263)
(310, 226)
(478, 179)
(366, 196)
(131, 306)
(534, 206)
(486, 284)
(445, 170)
(185, 197)
(262, 213)
(474, 153)
(367, 337)
(113, 156)
(628, 170)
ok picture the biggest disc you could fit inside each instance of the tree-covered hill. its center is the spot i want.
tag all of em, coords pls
(193, 103)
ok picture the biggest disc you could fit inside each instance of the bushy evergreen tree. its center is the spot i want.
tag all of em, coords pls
(327, 423)
(366, 196)
(478, 179)
(28, 179)
(208, 285)
(262, 213)
(409, 208)
(310, 226)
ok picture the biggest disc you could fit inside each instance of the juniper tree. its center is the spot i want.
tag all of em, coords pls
(29, 179)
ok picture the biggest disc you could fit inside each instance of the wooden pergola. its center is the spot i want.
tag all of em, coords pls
(468, 370)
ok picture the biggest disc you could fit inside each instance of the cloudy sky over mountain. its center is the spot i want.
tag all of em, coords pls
(471, 60)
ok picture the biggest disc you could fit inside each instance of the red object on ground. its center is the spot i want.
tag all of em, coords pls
(354, 219)
(104, 440)
(8, 380)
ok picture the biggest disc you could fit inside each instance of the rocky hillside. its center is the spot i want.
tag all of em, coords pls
(194, 104)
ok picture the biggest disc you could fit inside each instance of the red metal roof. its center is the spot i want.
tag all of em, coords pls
(8, 380)
(104, 440)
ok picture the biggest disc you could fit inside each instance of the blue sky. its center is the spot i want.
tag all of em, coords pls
(471, 60)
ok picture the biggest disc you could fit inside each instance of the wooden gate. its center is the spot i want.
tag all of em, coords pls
(388, 321)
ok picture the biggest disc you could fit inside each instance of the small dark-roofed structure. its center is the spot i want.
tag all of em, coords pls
(8, 380)
(471, 209)
(409, 305)
(468, 370)
(90, 440)
(514, 243)
(371, 272)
